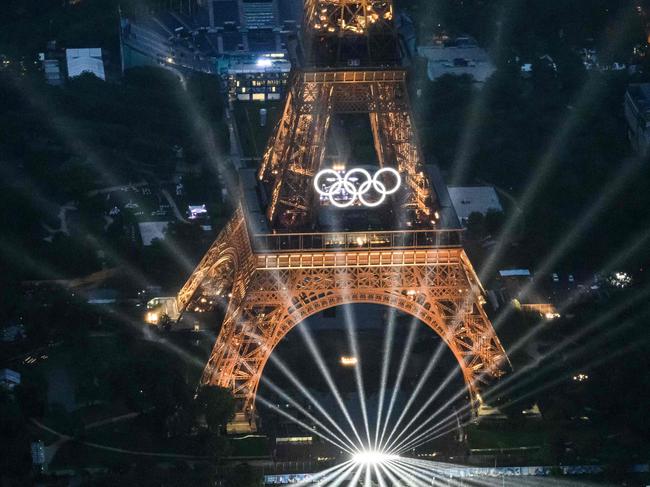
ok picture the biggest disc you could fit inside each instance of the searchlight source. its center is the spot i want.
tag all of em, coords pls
(264, 63)
(372, 457)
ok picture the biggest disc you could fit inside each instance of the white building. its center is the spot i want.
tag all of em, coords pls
(85, 60)
(473, 199)
(461, 56)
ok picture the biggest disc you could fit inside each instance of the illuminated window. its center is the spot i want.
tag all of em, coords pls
(258, 96)
(349, 361)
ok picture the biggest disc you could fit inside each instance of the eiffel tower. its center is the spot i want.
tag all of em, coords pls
(278, 262)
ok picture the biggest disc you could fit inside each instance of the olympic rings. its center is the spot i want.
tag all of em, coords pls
(344, 184)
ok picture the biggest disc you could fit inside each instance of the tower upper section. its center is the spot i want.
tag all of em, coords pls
(352, 33)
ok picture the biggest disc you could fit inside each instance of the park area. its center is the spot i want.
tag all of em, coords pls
(113, 396)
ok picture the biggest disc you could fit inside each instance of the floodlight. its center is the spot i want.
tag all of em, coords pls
(372, 457)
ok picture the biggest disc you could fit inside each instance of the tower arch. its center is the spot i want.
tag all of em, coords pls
(274, 291)
(435, 319)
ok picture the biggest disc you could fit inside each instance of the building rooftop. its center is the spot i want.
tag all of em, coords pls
(254, 64)
(85, 60)
(10, 377)
(459, 56)
(515, 273)
(474, 199)
(259, 15)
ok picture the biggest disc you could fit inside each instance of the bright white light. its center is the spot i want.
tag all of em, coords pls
(349, 361)
(620, 280)
(371, 457)
(264, 63)
(355, 185)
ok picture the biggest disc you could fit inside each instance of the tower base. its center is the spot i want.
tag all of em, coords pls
(241, 425)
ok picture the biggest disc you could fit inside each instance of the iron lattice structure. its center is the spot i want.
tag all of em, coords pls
(270, 283)
(298, 148)
(350, 32)
(271, 291)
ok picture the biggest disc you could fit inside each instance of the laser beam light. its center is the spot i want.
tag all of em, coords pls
(372, 457)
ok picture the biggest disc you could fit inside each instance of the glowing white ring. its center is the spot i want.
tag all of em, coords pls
(363, 189)
(349, 187)
(398, 180)
(344, 184)
(318, 177)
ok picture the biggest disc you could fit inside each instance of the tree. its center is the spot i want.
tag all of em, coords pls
(31, 394)
(493, 221)
(217, 405)
(15, 459)
(475, 225)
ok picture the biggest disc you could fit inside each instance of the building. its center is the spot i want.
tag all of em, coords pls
(518, 287)
(9, 379)
(52, 61)
(473, 199)
(197, 211)
(85, 60)
(38, 455)
(102, 296)
(637, 115)
(12, 332)
(252, 78)
(52, 71)
(489, 413)
(59, 64)
(246, 43)
(509, 286)
(458, 56)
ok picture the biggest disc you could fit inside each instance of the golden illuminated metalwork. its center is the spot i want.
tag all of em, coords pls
(274, 290)
(295, 154)
(350, 32)
(273, 282)
(347, 16)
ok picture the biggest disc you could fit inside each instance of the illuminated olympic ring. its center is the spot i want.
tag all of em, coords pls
(343, 183)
